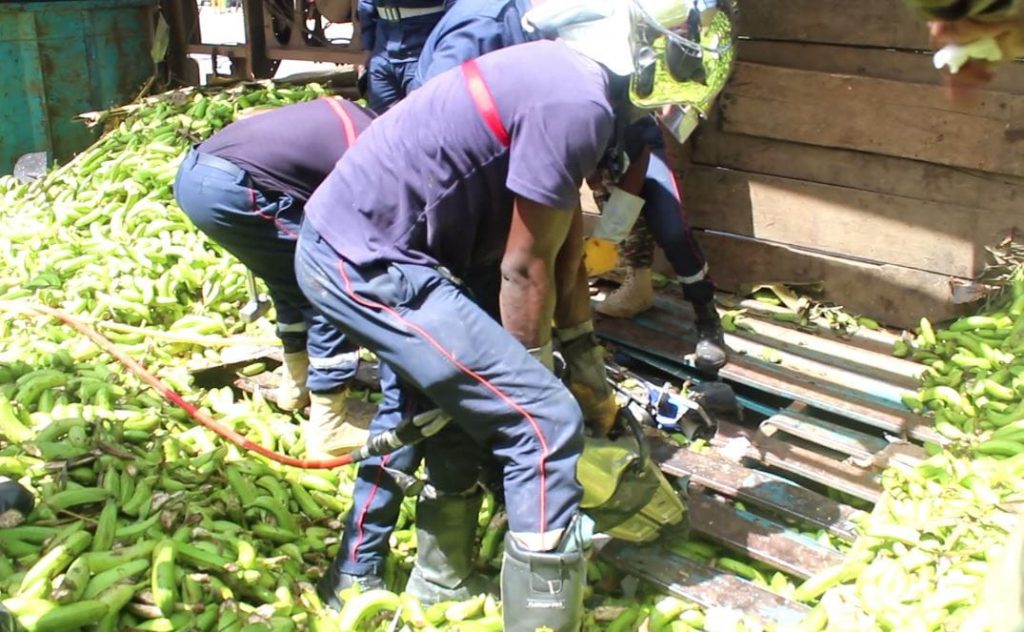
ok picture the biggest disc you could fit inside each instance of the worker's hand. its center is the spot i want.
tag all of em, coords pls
(587, 378)
(962, 86)
(600, 186)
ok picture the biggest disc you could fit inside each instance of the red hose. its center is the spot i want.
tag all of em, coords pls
(178, 400)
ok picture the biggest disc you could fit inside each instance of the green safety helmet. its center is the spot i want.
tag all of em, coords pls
(678, 54)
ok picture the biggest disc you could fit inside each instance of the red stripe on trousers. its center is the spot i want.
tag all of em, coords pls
(542, 463)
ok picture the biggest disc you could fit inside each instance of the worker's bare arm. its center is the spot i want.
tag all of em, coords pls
(528, 270)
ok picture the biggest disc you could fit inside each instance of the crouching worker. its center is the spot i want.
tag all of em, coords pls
(246, 188)
(479, 167)
(647, 191)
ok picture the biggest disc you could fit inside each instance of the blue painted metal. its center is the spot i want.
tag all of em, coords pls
(59, 59)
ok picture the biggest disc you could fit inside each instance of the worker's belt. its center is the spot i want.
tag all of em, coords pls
(228, 167)
(397, 14)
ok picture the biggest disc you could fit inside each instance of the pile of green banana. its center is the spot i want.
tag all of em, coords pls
(974, 384)
(925, 554)
(928, 552)
(143, 520)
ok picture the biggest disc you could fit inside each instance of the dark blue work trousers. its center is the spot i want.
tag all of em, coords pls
(387, 81)
(456, 463)
(447, 349)
(261, 229)
(665, 215)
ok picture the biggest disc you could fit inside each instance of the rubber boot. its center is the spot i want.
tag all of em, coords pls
(292, 393)
(327, 432)
(446, 548)
(711, 353)
(544, 590)
(634, 296)
(334, 581)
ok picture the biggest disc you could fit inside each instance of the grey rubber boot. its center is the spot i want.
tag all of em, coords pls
(544, 590)
(333, 582)
(446, 548)
(711, 353)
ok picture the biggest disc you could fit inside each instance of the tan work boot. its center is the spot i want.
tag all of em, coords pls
(292, 393)
(634, 296)
(327, 432)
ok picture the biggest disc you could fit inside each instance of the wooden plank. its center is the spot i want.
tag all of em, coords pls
(676, 345)
(862, 224)
(813, 464)
(890, 294)
(758, 538)
(875, 115)
(821, 370)
(997, 198)
(896, 65)
(882, 23)
(838, 438)
(776, 494)
(709, 587)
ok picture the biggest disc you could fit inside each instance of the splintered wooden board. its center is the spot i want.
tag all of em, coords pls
(995, 199)
(894, 295)
(701, 584)
(885, 23)
(877, 116)
(880, 63)
(837, 220)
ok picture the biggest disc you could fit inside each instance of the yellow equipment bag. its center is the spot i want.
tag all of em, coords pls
(600, 256)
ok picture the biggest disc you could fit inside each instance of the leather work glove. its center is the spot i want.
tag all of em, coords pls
(584, 361)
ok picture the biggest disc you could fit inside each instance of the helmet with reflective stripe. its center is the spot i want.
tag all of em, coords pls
(676, 52)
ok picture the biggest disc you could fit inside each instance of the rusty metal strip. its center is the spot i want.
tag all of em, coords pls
(768, 378)
(753, 347)
(808, 464)
(880, 366)
(825, 433)
(880, 341)
(774, 493)
(702, 584)
(758, 538)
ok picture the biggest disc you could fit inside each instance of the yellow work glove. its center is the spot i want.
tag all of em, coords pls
(584, 361)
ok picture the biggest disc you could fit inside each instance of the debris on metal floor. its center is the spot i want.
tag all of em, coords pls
(823, 418)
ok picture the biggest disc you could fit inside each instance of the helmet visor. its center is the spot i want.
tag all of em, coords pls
(683, 52)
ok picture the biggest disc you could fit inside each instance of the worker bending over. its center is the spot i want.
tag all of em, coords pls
(475, 27)
(246, 188)
(482, 168)
(392, 33)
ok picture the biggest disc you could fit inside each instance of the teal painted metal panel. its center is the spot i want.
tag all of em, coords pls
(59, 59)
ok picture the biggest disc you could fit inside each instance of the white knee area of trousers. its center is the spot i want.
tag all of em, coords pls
(694, 278)
(538, 542)
(334, 362)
